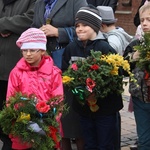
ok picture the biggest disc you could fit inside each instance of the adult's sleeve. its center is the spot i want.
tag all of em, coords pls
(63, 36)
(113, 4)
(19, 22)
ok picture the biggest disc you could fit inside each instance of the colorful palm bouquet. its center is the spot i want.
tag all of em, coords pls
(33, 122)
(144, 53)
(97, 75)
(143, 62)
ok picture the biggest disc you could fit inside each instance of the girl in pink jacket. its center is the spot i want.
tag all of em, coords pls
(35, 73)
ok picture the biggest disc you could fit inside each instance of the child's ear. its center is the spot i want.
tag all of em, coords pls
(103, 25)
(43, 52)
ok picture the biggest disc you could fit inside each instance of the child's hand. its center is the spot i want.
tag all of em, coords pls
(136, 55)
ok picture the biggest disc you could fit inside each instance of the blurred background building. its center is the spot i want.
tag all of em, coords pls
(125, 12)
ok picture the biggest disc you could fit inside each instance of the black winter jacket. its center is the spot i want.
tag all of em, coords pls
(110, 104)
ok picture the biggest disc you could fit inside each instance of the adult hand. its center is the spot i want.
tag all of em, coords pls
(49, 30)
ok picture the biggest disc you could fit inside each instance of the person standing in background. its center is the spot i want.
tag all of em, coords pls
(141, 103)
(15, 17)
(111, 3)
(52, 17)
(116, 36)
(139, 32)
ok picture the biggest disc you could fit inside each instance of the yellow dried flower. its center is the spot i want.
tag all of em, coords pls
(23, 117)
(66, 79)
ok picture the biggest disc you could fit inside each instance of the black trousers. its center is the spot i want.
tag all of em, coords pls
(117, 134)
(4, 138)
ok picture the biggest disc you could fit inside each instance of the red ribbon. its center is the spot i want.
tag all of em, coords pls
(53, 134)
(146, 75)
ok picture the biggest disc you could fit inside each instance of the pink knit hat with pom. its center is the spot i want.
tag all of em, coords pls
(32, 38)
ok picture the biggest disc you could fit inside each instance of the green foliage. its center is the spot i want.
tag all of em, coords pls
(21, 110)
(144, 50)
(103, 72)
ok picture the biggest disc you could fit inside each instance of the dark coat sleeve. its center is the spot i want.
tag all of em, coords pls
(104, 47)
(20, 20)
(66, 57)
(129, 52)
(111, 3)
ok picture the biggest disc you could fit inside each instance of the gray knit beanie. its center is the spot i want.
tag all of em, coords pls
(90, 16)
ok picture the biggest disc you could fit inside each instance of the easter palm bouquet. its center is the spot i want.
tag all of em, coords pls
(35, 123)
(98, 75)
(143, 62)
(144, 53)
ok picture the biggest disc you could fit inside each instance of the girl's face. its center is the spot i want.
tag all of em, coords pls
(145, 20)
(33, 56)
(85, 32)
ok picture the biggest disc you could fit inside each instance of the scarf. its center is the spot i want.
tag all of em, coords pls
(48, 7)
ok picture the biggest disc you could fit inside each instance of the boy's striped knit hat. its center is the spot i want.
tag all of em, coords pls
(90, 16)
(32, 38)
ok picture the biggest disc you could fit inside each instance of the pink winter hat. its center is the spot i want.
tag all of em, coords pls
(32, 38)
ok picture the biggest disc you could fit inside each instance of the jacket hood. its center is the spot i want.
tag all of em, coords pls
(124, 37)
(125, 34)
(45, 67)
(100, 35)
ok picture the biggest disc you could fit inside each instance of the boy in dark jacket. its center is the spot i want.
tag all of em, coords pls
(97, 127)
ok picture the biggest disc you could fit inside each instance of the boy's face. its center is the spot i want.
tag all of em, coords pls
(145, 20)
(85, 32)
(33, 56)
